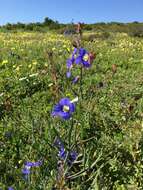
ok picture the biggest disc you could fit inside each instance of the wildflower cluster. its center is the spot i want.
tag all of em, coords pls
(63, 154)
(67, 151)
(65, 109)
(79, 56)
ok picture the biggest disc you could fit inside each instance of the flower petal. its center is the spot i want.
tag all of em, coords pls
(78, 60)
(72, 107)
(57, 108)
(25, 171)
(69, 63)
(64, 101)
(82, 52)
(64, 115)
(86, 64)
(62, 153)
(68, 74)
(28, 164)
(74, 51)
(39, 163)
(75, 80)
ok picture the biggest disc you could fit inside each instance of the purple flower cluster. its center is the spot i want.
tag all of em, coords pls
(29, 165)
(70, 156)
(71, 60)
(80, 57)
(83, 58)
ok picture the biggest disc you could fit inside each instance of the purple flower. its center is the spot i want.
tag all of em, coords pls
(26, 170)
(71, 60)
(62, 153)
(76, 79)
(33, 164)
(70, 63)
(68, 74)
(29, 165)
(10, 188)
(72, 157)
(64, 109)
(83, 58)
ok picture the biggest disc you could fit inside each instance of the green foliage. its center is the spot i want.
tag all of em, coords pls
(107, 127)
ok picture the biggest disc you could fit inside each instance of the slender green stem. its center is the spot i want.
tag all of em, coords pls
(81, 75)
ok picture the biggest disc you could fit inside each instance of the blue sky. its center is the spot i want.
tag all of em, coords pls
(87, 11)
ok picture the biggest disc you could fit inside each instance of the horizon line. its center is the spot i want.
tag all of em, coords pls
(71, 22)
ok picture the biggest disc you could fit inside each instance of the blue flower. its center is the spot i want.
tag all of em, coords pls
(68, 74)
(33, 164)
(76, 79)
(64, 109)
(62, 153)
(71, 60)
(83, 58)
(72, 157)
(10, 188)
(26, 170)
(61, 150)
(29, 165)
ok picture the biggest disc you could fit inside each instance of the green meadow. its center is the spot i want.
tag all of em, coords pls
(105, 130)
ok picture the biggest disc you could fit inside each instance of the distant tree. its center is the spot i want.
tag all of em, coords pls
(48, 21)
(8, 26)
(51, 23)
(20, 25)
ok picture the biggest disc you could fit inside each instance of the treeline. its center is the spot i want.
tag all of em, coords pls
(133, 29)
(47, 24)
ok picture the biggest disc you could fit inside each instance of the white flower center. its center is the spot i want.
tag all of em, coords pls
(86, 57)
(28, 167)
(66, 108)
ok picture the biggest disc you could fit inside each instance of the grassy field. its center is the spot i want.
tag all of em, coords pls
(105, 131)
